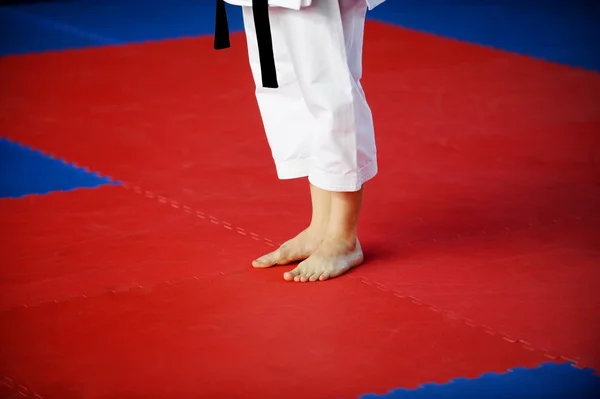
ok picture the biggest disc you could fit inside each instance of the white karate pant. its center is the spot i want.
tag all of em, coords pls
(318, 122)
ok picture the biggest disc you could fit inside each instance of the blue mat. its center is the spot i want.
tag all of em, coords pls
(62, 25)
(24, 171)
(562, 31)
(567, 32)
(549, 381)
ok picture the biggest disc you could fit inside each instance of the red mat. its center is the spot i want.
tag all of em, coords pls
(538, 285)
(88, 242)
(485, 207)
(246, 335)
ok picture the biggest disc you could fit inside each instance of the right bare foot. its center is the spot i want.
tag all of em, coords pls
(295, 250)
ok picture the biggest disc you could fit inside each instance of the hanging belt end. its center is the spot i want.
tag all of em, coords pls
(270, 83)
(221, 41)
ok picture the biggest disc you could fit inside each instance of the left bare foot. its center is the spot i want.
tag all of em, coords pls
(332, 259)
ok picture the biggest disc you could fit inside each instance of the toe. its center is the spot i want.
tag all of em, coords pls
(290, 276)
(267, 260)
(312, 275)
(296, 274)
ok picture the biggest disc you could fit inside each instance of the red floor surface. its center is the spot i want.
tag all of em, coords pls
(88, 242)
(240, 335)
(485, 209)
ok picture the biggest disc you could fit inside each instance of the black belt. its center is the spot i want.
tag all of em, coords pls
(260, 9)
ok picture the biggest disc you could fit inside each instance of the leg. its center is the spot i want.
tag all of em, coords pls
(307, 242)
(319, 52)
(344, 150)
(290, 129)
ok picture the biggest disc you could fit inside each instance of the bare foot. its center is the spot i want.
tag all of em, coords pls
(298, 248)
(331, 259)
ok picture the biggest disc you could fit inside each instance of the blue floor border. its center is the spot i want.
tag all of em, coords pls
(548, 381)
(561, 31)
(25, 171)
(567, 32)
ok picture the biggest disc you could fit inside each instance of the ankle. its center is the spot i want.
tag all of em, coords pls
(317, 229)
(347, 239)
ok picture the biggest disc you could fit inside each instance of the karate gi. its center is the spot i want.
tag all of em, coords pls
(306, 60)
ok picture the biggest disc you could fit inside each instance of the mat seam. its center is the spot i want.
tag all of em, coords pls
(133, 287)
(22, 390)
(201, 215)
(455, 316)
(26, 392)
(110, 181)
(257, 237)
(525, 344)
(229, 226)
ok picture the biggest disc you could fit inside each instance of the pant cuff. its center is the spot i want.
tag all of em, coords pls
(292, 169)
(346, 183)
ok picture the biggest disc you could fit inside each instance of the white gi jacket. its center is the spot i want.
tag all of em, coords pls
(295, 4)
(263, 30)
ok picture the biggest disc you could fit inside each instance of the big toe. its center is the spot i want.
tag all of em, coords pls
(293, 275)
(289, 276)
(267, 260)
